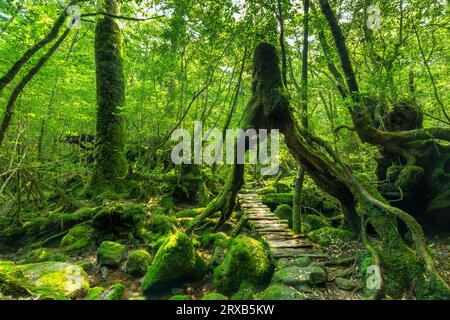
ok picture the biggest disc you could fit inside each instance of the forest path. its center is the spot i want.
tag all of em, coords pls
(282, 241)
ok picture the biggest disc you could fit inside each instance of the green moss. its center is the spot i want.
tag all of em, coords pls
(159, 226)
(315, 222)
(247, 261)
(280, 292)
(284, 212)
(273, 200)
(410, 177)
(179, 297)
(246, 291)
(215, 296)
(56, 279)
(79, 238)
(175, 261)
(95, 293)
(114, 292)
(138, 263)
(121, 215)
(221, 248)
(285, 185)
(168, 203)
(12, 281)
(188, 213)
(328, 235)
(44, 254)
(110, 254)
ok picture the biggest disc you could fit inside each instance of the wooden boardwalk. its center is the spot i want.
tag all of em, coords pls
(282, 241)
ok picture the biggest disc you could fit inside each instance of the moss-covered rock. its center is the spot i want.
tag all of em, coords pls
(284, 212)
(297, 276)
(114, 292)
(247, 261)
(215, 296)
(246, 291)
(176, 261)
(43, 255)
(95, 293)
(347, 284)
(298, 262)
(273, 200)
(110, 254)
(329, 235)
(138, 263)
(79, 238)
(53, 278)
(278, 291)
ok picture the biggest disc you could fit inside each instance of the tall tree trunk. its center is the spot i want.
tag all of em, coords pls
(110, 164)
(299, 219)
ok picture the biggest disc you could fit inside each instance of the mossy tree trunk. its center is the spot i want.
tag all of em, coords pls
(404, 267)
(299, 219)
(110, 165)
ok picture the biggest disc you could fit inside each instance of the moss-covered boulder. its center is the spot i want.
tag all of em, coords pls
(280, 292)
(215, 296)
(176, 261)
(138, 263)
(79, 238)
(284, 212)
(298, 276)
(110, 254)
(246, 261)
(329, 235)
(273, 200)
(53, 278)
(43, 255)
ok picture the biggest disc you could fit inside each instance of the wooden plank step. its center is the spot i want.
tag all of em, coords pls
(278, 237)
(289, 244)
(264, 233)
(297, 252)
(261, 218)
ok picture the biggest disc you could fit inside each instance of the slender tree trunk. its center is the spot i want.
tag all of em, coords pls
(9, 112)
(10, 75)
(298, 215)
(110, 164)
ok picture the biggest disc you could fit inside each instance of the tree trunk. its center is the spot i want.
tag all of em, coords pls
(110, 164)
